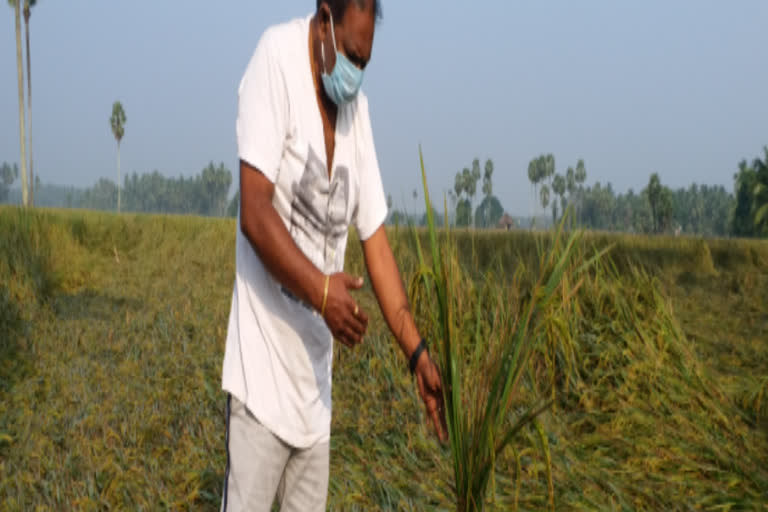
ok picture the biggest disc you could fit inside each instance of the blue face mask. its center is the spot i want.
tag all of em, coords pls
(344, 81)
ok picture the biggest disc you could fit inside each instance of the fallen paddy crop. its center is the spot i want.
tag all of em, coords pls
(112, 331)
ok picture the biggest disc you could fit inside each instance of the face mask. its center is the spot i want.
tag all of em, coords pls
(344, 81)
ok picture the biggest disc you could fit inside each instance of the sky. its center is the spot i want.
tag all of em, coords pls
(679, 88)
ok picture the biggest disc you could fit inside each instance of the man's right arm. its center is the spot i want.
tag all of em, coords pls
(262, 226)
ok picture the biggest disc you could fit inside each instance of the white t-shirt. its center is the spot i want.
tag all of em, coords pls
(279, 351)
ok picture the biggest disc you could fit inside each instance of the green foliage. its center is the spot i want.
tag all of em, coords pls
(203, 194)
(234, 205)
(570, 181)
(463, 213)
(559, 188)
(581, 173)
(760, 195)
(8, 175)
(541, 170)
(400, 218)
(117, 121)
(27, 3)
(489, 212)
(750, 216)
(102, 196)
(488, 178)
(655, 191)
(544, 195)
(472, 189)
(702, 210)
(438, 218)
(465, 188)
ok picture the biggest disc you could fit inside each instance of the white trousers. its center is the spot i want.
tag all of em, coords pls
(262, 468)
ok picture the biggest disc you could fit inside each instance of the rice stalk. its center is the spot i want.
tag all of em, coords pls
(481, 391)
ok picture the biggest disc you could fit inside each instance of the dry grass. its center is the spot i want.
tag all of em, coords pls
(111, 339)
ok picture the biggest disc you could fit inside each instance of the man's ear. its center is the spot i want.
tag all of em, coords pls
(324, 20)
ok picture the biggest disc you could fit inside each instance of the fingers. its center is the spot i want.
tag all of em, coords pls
(437, 387)
(433, 378)
(343, 316)
(430, 388)
(353, 283)
(353, 327)
(357, 325)
(348, 338)
(438, 419)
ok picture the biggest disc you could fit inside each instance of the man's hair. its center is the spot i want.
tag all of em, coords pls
(338, 7)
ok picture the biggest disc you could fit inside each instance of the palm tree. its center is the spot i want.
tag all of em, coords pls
(488, 188)
(581, 172)
(581, 177)
(558, 187)
(570, 186)
(117, 122)
(458, 185)
(655, 192)
(28, 4)
(544, 193)
(532, 178)
(469, 189)
(20, 74)
(570, 181)
(549, 168)
(473, 189)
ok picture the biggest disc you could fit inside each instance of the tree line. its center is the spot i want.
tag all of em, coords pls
(750, 217)
(203, 194)
(698, 209)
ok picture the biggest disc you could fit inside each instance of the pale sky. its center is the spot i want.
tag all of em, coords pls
(679, 88)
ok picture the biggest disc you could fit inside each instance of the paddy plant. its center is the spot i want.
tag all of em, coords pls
(485, 332)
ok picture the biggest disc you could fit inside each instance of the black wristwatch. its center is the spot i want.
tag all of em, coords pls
(416, 354)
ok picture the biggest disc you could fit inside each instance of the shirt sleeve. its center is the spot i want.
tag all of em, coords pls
(372, 208)
(262, 112)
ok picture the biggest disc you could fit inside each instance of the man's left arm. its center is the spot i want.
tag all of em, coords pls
(389, 290)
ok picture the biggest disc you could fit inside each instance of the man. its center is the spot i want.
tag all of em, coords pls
(308, 170)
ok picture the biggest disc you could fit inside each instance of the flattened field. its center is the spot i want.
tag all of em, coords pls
(112, 334)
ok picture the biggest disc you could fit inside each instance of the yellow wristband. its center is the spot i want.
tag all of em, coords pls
(325, 295)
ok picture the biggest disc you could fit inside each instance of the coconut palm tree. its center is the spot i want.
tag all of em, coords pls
(581, 172)
(20, 75)
(473, 189)
(580, 177)
(488, 188)
(558, 187)
(28, 4)
(532, 178)
(117, 123)
(544, 195)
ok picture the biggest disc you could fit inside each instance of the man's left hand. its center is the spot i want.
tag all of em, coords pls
(431, 391)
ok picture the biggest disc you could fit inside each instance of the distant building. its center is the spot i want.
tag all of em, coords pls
(506, 222)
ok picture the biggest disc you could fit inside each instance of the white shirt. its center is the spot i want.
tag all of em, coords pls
(279, 351)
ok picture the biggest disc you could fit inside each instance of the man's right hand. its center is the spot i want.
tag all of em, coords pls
(343, 315)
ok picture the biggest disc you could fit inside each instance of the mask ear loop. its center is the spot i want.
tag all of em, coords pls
(322, 52)
(322, 46)
(333, 35)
